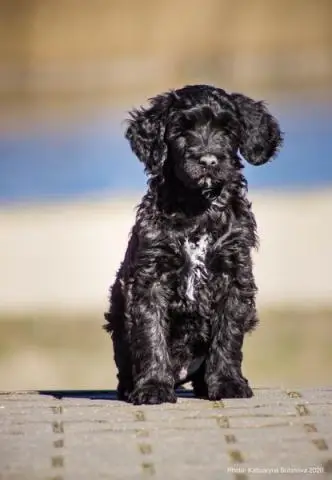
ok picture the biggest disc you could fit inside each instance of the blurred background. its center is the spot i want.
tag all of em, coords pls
(69, 72)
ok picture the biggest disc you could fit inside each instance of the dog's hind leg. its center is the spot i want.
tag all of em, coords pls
(116, 327)
(124, 364)
(198, 382)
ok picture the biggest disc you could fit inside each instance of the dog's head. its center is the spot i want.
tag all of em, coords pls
(198, 130)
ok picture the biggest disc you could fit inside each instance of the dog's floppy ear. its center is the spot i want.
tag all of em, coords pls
(146, 132)
(260, 133)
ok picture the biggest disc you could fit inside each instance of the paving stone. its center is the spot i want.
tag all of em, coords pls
(91, 435)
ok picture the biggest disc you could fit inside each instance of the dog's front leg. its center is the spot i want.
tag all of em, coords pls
(223, 375)
(234, 316)
(147, 310)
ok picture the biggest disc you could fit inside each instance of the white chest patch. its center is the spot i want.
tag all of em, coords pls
(196, 252)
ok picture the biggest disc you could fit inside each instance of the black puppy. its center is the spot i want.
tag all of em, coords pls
(184, 295)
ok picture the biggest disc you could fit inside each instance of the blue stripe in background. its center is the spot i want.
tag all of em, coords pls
(96, 159)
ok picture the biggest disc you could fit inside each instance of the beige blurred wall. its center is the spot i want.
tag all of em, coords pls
(133, 48)
(63, 257)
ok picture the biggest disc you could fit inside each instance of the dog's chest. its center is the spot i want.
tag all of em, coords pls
(196, 255)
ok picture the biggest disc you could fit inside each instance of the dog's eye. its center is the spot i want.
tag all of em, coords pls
(219, 155)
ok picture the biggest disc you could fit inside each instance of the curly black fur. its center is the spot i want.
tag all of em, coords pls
(184, 295)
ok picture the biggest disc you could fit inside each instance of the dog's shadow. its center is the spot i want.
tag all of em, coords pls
(109, 395)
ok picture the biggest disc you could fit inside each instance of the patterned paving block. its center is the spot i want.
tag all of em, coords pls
(89, 435)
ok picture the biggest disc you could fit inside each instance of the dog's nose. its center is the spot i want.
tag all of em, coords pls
(209, 160)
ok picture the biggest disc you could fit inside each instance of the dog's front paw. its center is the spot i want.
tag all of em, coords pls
(229, 388)
(152, 393)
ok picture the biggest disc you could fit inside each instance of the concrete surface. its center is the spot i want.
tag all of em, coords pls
(88, 435)
(64, 256)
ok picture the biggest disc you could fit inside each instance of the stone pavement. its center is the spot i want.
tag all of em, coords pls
(90, 435)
